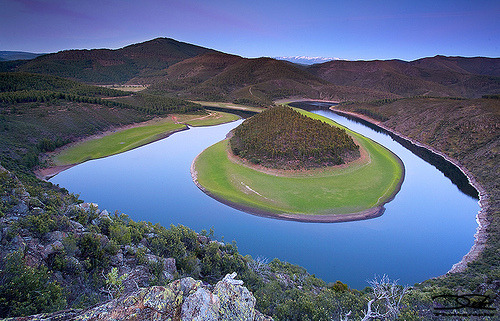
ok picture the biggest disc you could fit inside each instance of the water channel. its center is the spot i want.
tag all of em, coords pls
(427, 228)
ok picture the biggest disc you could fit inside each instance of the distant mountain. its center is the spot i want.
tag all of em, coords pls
(219, 76)
(181, 69)
(105, 66)
(435, 76)
(305, 60)
(18, 55)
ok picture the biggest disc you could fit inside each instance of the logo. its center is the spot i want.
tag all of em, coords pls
(463, 305)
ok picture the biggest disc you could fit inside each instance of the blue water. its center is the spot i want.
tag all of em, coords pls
(427, 228)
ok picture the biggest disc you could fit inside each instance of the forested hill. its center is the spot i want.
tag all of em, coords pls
(172, 67)
(283, 138)
(105, 66)
(433, 76)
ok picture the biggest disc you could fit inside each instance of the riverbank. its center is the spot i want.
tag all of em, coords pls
(340, 194)
(480, 237)
(125, 138)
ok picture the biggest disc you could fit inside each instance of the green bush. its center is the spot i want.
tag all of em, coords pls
(26, 290)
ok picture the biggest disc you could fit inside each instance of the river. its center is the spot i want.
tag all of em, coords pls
(427, 228)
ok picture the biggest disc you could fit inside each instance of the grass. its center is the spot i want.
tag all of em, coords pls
(128, 139)
(360, 186)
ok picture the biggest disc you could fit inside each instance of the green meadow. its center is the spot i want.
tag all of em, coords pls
(359, 186)
(128, 139)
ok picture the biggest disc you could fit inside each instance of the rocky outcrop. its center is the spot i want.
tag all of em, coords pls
(183, 299)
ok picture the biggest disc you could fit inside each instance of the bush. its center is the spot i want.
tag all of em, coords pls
(26, 290)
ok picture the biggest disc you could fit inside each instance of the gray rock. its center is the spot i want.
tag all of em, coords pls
(55, 236)
(184, 299)
(77, 227)
(203, 239)
(237, 303)
(200, 306)
(117, 260)
(20, 209)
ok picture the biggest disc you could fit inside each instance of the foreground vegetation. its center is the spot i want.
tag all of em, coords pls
(283, 138)
(364, 184)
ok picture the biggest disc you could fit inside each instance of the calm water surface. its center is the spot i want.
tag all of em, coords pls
(427, 228)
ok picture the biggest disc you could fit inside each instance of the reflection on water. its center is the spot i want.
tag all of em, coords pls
(427, 228)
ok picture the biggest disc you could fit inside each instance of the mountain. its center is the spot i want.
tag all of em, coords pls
(171, 67)
(106, 66)
(259, 81)
(18, 55)
(435, 76)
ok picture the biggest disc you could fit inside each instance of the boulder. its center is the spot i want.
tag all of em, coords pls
(184, 299)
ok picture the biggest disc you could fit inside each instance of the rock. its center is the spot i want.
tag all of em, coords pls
(130, 250)
(55, 236)
(37, 211)
(237, 303)
(88, 206)
(203, 239)
(117, 260)
(201, 305)
(51, 248)
(104, 214)
(77, 227)
(20, 209)
(184, 299)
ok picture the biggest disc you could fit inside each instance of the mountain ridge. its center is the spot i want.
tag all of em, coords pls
(173, 67)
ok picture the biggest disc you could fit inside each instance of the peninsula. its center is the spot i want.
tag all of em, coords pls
(269, 167)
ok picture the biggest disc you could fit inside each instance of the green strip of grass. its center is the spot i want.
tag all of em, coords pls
(351, 189)
(115, 143)
(128, 139)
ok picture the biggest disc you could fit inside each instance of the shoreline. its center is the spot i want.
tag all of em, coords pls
(480, 237)
(304, 218)
(47, 173)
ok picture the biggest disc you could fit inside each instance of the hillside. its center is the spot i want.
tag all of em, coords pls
(467, 131)
(105, 66)
(180, 69)
(257, 81)
(17, 55)
(435, 76)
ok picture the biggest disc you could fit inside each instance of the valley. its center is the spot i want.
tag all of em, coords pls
(49, 105)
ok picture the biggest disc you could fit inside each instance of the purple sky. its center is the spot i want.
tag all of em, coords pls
(346, 29)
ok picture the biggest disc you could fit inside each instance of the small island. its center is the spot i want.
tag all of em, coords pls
(290, 164)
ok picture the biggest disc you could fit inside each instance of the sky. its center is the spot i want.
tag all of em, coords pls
(348, 29)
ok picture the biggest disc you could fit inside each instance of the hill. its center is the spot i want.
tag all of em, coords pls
(175, 68)
(259, 81)
(281, 137)
(105, 66)
(17, 55)
(436, 76)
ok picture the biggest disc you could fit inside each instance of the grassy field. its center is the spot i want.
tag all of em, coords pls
(362, 185)
(130, 138)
